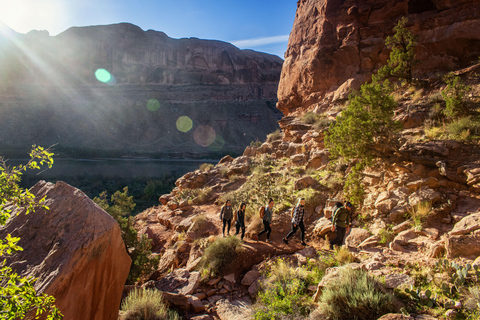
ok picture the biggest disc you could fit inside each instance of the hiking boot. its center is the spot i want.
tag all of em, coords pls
(303, 243)
(267, 241)
(285, 240)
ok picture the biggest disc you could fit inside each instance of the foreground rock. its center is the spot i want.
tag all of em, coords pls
(74, 249)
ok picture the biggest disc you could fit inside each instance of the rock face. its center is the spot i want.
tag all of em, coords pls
(336, 45)
(54, 93)
(74, 249)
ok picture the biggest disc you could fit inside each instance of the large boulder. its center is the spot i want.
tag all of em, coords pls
(74, 249)
(356, 237)
(463, 246)
(467, 224)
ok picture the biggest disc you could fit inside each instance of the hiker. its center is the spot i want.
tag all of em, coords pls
(239, 219)
(341, 223)
(267, 219)
(297, 221)
(226, 215)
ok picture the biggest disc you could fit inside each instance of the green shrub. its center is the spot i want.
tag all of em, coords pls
(309, 117)
(219, 254)
(386, 236)
(353, 293)
(454, 95)
(257, 143)
(120, 207)
(206, 167)
(274, 136)
(419, 214)
(284, 293)
(343, 256)
(145, 304)
(462, 128)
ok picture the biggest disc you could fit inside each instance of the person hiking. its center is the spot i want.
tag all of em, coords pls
(341, 223)
(267, 219)
(297, 221)
(226, 215)
(239, 219)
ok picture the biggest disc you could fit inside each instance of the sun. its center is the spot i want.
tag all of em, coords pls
(26, 15)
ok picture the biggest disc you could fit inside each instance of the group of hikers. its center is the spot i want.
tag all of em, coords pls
(341, 220)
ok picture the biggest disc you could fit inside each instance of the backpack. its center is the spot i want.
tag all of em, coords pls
(262, 212)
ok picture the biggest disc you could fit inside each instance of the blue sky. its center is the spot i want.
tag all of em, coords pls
(262, 25)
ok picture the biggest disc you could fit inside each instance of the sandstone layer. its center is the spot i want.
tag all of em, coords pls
(335, 45)
(75, 249)
(51, 92)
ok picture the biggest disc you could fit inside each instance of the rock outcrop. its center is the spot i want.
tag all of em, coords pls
(75, 249)
(117, 90)
(336, 45)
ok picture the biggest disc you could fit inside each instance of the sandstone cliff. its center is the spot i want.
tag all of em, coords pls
(75, 250)
(50, 94)
(335, 45)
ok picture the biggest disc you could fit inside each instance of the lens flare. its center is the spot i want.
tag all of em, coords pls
(184, 124)
(153, 105)
(204, 136)
(103, 75)
(217, 145)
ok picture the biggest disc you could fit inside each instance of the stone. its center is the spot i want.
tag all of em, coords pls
(168, 260)
(422, 195)
(172, 205)
(230, 278)
(196, 304)
(398, 214)
(239, 309)
(477, 261)
(180, 281)
(371, 241)
(200, 295)
(164, 199)
(467, 225)
(298, 159)
(214, 299)
(374, 265)
(386, 206)
(398, 280)
(323, 227)
(214, 281)
(255, 287)
(404, 237)
(211, 292)
(250, 277)
(201, 317)
(68, 246)
(304, 183)
(402, 226)
(463, 246)
(437, 250)
(177, 300)
(356, 236)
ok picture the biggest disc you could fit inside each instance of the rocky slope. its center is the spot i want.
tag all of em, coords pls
(336, 45)
(51, 93)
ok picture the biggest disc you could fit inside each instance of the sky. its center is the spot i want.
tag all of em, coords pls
(262, 25)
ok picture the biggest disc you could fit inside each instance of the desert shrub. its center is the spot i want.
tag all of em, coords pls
(386, 236)
(462, 128)
(206, 167)
(472, 298)
(199, 220)
(145, 304)
(419, 214)
(223, 172)
(322, 123)
(284, 293)
(219, 254)
(204, 194)
(257, 143)
(274, 136)
(309, 117)
(353, 293)
(432, 133)
(455, 97)
(120, 206)
(343, 256)
(186, 194)
(353, 188)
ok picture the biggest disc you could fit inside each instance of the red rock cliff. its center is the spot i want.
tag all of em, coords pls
(337, 44)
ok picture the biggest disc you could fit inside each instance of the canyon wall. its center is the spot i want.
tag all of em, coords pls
(335, 45)
(117, 90)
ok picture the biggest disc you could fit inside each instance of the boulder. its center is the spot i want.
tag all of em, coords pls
(164, 199)
(304, 183)
(318, 159)
(74, 249)
(398, 280)
(239, 309)
(463, 246)
(250, 277)
(386, 206)
(168, 260)
(467, 225)
(422, 195)
(180, 281)
(322, 227)
(370, 242)
(356, 237)
(196, 304)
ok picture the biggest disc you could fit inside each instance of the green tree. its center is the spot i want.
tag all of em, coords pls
(401, 61)
(119, 207)
(454, 95)
(18, 297)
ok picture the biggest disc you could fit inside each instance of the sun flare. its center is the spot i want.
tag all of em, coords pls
(26, 15)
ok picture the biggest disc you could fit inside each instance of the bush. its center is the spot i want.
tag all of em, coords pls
(419, 214)
(257, 143)
(219, 255)
(284, 293)
(472, 298)
(386, 236)
(274, 136)
(462, 128)
(343, 256)
(454, 95)
(145, 304)
(309, 117)
(206, 167)
(353, 293)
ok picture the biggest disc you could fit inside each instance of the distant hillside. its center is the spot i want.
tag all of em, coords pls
(117, 90)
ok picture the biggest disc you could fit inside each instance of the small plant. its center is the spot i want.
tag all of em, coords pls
(433, 133)
(462, 128)
(343, 256)
(309, 117)
(454, 95)
(419, 214)
(206, 167)
(219, 254)
(386, 236)
(144, 304)
(274, 136)
(422, 299)
(255, 144)
(365, 299)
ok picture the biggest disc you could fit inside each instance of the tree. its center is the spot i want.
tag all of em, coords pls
(454, 95)
(401, 61)
(18, 297)
(120, 207)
